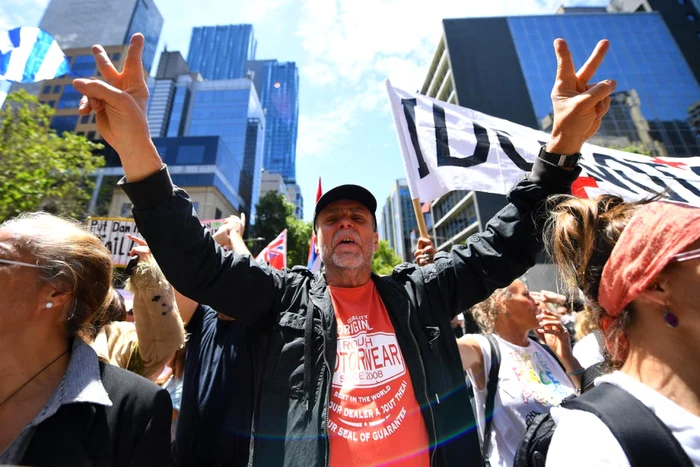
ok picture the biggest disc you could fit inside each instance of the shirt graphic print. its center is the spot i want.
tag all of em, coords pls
(374, 418)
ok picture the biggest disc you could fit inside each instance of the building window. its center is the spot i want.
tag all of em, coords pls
(190, 154)
(51, 103)
(84, 119)
(83, 66)
(70, 99)
(64, 123)
(115, 57)
(217, 213)
(47, 89)
(57, 89)
(91, 135)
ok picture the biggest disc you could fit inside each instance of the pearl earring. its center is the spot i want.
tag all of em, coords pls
(49, 304)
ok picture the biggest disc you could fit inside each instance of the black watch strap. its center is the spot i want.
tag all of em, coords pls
(560, 160)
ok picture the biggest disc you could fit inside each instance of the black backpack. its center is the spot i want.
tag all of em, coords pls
(644, 438)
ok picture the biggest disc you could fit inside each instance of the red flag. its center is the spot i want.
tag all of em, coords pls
(276, 252)
(314, 262)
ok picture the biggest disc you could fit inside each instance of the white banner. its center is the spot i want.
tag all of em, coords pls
(446, 147)
(113, 232)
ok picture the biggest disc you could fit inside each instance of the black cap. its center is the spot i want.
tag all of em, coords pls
(347, 192)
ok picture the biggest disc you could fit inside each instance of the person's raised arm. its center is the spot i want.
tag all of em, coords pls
(232, 284)
(158, 325)
(511, 242)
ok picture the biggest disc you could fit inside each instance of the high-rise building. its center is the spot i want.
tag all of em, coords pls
(77, 25)
(231, 109)
(682, 17)
(169, 95)
(272, 182)
(398, 220)
(203, 165)
(294, 196)
(220, 52)
(655, 80)
(694, 113)
(81, 23)
(60, 94)
(277, 84)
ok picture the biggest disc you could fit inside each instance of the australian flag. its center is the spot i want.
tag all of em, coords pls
(28, 55)
(276, 252)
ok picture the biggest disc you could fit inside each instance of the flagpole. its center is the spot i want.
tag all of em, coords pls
(422, 226)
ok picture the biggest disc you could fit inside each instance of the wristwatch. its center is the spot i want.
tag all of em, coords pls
(568, 161)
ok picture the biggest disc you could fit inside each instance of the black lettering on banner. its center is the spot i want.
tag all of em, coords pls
(481, 151)
(513, 155)
(602, 159)
(444, 158)
(409, 111)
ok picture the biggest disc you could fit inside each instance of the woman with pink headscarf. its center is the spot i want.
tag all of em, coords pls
(638, 265)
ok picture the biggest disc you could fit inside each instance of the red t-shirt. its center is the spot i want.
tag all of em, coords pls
(374, 418)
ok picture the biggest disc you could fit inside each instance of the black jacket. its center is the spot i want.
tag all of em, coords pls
(134, 431)
(294, 307)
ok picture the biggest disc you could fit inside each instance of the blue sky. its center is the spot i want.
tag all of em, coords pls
(344, 50)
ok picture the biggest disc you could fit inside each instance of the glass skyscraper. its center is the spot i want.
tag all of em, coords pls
(220, 52)
(82, 23)
(278, 86)
(655, 85)
(231, 109)
(398, 220)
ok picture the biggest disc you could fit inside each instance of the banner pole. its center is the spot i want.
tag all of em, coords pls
(422, 226)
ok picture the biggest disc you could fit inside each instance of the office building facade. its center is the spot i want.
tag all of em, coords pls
(81, 23)
(220, 52)
(682, 17)
(295, 197)
(231, 109)
(203, 165)
(398, 221)
(277, 84)
(60, 94)
(644, 59)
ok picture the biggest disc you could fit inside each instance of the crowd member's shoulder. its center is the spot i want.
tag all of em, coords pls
(122, 385)
(585, 435)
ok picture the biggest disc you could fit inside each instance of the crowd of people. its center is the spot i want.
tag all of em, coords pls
(262, 367)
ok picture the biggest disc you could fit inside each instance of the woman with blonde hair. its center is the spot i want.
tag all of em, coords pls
(59, 405)
(521, 376)
(638, 264)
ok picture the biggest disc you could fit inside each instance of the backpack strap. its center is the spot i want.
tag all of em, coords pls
(491, 390)
(591, 373)
(644, 438)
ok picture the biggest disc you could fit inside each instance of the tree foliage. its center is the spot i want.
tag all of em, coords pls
(385, 258)
(39, 169)
(274, 214)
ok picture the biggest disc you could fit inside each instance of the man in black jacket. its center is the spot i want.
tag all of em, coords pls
(360, 369)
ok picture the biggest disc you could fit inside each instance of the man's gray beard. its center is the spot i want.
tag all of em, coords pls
(344, 262)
